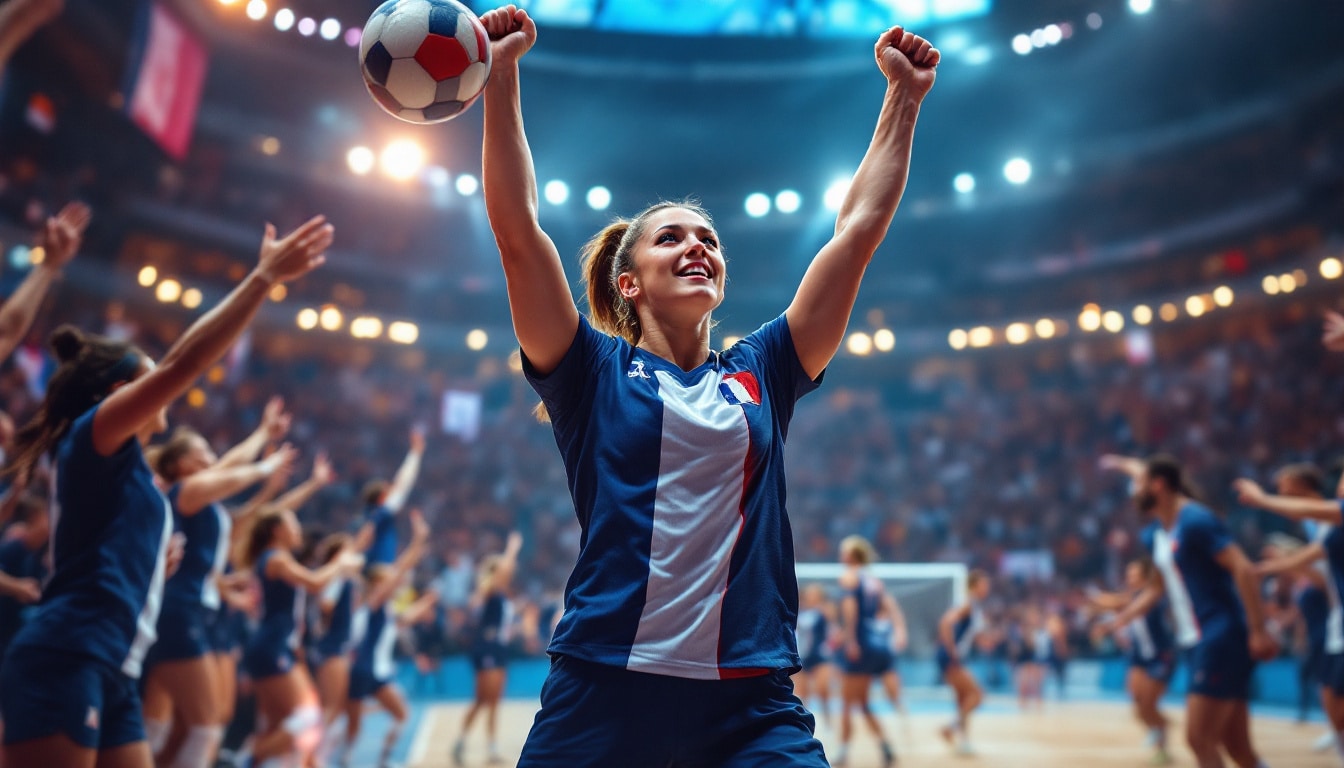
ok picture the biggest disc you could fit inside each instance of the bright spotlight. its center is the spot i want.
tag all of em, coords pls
(168, 291)
(1017, 333)
(360, 160)
(957, 339)
(477, 339)
(307, 26)
(1113, 321)
(757, 204)
(1090, 318)
(788, 201)
(366, 327)
(859, 343)
(1045, 328)
(1022, 44)
(1143, 314)
(330, 319)
(256, 10)
(1169, 312)
(1140, 6)
(884, 340)
(982, 336)
(1287, 284)
(1270, 284)
(467, 185)
(402, 159)
(1194, 306)
(835, 194)
(284, 19)
(964, 183)
(1053, 34)
(1038, 38)
(403, 333)
(147, 276)
(307, 318)
(1017, 171)
(1222, 296)
(353, 36)
(191, 298)
(556, 192)
(599, 198)
(330, 29)
(1331, 268)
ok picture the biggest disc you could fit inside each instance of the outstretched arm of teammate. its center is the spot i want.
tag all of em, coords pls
(268, 490)
(405, 562)
(1300, 558)
(1129, 465)
(1138, 607)
(418, 611)
(273, 428)
(1107, 601)
(218, 483)
(1243, 573)
(404, 480)
(61, 238)
(283, 566)
(303, 492)
(544, 316)
(821, 308)
(1251, 494)
(128, 408)
(508, 564)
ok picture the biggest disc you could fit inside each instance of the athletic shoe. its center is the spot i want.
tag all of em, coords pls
(1325, 743)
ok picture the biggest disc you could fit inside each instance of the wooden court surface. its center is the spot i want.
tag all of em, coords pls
(1063, 735)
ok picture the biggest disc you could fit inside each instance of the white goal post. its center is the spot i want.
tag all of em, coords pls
(924, 590)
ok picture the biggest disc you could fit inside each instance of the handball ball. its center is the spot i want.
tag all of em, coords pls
(424, 61)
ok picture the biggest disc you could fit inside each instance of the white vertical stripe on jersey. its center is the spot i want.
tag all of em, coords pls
(146, 624)
(384, 667)
(697, 517)
(210, 589)
(1143, 638)
(1334, 621)
(1182, 608)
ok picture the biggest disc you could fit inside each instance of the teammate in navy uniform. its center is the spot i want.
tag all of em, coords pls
(333, 639)
(68, 686)
(1151, 649)
(22, 565)
(383, 500)
(373, 673)
(813, 679)
(182, 683)
(1214, 596)
(865, 653)
(684, 596)
(956, 637)
(491, 632)
(288, 714)
(1030, 644)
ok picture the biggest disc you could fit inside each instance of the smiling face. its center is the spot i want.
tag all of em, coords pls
(678, 273)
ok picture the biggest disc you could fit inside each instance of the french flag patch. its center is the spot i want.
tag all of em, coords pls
(741, 388)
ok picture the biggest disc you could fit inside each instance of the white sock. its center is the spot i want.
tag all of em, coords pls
(198, 748)
(156, 733)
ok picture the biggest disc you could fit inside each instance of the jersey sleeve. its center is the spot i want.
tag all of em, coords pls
(772, 348)
(1208, 532)
(563, 389)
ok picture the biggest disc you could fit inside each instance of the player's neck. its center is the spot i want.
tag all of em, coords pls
(1166, 511)
(687, 348)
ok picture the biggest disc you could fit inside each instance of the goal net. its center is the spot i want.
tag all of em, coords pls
(924, 590)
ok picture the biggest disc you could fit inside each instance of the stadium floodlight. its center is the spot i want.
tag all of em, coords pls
(307, 26)
(788, 201)
(330, 29)
(964, 183)
(256, 10)
(1140, 7)
(467, 185)
(1022, 44)
(757, 204)
(284, 19)
(1017, 171)
(835, 193)
(557, 192)
(599, 198)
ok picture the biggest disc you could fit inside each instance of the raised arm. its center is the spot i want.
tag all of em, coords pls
(1128, 465)
(405, 562)
(273, 428)
(544, 316)
(1299, 558)
(61, 238)
(269, 490)
(127, 409)
(1251, 494)
(821, 308)
(508, 563)
(1243, 573)
(283, 566)
(404, 480)
(218, 483)
(418, 611)
(1107, 601)
(303, 492)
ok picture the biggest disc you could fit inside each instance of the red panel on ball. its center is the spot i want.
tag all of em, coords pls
(442, 57)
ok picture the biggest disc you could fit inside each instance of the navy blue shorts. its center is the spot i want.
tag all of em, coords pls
(945, 662)
(184, 634)
(263, 660)
(1221, 666)
(485, 656)
(871, 661)
(46, 692)
(597, 715)
(364, 684)
(1332, 671)
(223, 631)
(1160, 668)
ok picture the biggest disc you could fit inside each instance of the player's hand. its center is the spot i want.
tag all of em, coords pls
(419, 528)
(1262, 646)
(274, 419)
(1249, 492)
(281, 461)
(907, 60)
(63, 234)
(417, 440)
(1112, 462)
(511, 31)
(297, 253)
(1333, 337)
(323, 474)
(1101, 630)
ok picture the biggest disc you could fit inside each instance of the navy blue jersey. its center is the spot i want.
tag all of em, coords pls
(1314, 605)
(110, 527)
(336, 636)
(966, 628)
(20, 562)
(1333, 543)
(383, 548)
(494, 620)
(205, 553)
(867, 595)
(378, 640)
(1202, 594)
(812, 630)
(1150, 635)
(686, 556)
(282, 607)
